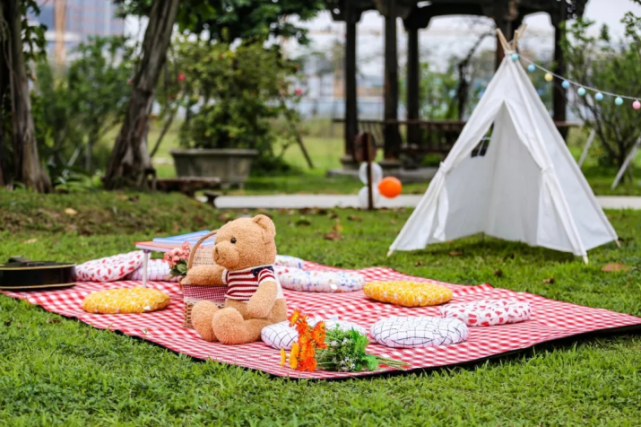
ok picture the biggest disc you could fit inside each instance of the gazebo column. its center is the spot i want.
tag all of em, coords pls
(413, 85)
(392, 143)
(351, 101)
(559, 96)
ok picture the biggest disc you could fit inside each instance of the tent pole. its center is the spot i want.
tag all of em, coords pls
(626, 163)
(390, 252)
(587, 147)
(585, 259)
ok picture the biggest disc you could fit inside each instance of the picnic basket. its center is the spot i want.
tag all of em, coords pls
(200, 255)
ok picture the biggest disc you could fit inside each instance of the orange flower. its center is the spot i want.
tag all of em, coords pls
(295, 351)
(318, 334)
(283, 357)
(293, 362)
(294, 318)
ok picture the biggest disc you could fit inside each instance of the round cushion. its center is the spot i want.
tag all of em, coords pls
(127, 300)
(281, 335)
(408, 294)
(289, 261)
(109, 269)
(157, 271)
(299, 280)
(488, 312)
(420, 331)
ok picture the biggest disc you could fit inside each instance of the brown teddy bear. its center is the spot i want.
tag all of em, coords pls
(244, 253)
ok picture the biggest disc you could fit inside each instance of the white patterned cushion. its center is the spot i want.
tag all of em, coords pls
(488, 312)
(289, 261)
(420, 331)
(299, 280)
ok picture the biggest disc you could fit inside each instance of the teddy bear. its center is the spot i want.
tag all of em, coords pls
(244, 253)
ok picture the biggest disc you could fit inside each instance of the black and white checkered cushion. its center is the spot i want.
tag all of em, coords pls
(419, 331)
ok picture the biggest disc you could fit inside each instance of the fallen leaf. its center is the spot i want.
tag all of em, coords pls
(337, 227)
(498, 273)
(549, 280)
(304, 211)
(354, 218)
(456, 253)
(303, 222)
(333, 215)
(71, 212)
(122, 197)
(418, 263)
(333, 235)
(30, 241)
(54, 320)
(615, 267)
(392, 221)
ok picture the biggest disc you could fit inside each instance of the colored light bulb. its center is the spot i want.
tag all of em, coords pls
(618, 101)
(531, 68)
(598, 96)
(636, 104)
(548, 77)
(581, 91)
(565, 84)
(515, 57)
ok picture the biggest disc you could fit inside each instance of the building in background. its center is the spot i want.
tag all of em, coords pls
(70, 22)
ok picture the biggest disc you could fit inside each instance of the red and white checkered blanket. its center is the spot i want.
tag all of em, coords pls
(550, 320)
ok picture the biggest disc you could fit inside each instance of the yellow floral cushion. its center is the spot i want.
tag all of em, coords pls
(129, 300)
(408, 294)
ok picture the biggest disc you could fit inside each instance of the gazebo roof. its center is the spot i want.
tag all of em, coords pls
(575, 8)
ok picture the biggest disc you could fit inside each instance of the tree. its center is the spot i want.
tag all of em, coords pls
(14, 95)
(612, 66)
(130, 162)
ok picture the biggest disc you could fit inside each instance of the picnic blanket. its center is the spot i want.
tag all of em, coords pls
(551, 320)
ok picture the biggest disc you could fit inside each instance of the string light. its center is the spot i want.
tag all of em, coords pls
(515, 57)
(582, 90)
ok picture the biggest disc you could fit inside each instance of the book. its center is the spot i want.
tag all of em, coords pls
(165, 244)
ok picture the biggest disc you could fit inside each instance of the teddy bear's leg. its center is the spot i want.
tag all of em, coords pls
(231, 328)
(202, 316)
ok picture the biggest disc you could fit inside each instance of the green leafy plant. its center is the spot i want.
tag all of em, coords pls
(235, 96)
(346, 352)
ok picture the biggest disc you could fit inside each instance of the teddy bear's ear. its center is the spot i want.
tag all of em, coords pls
(266, 224)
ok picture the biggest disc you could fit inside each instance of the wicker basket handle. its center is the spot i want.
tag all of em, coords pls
(193, 250)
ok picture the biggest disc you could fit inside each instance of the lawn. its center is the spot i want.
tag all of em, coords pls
(56, 371)
(325, 147)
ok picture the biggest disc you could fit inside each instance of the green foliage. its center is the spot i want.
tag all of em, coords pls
(33, 34)
(229, 20)
(73, 111)
(610, 65)
(56, 371)
(234, 97)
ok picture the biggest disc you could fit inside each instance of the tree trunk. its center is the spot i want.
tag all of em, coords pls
(130, 161)
(28, 168)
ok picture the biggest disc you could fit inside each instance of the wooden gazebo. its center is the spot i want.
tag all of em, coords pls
(416, 15)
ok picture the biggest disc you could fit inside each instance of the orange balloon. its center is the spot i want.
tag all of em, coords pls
(390, 187)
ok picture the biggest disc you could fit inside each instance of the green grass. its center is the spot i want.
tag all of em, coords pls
(55, 371)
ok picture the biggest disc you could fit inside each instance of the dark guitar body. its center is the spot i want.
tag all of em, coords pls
(22, 274)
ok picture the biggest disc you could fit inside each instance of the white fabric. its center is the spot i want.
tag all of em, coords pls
(527, 187)
(289, 261)
(419, 331)
(281, 335)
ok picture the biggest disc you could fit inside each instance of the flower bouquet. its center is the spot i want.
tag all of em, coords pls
(333, 350)
(177, 259)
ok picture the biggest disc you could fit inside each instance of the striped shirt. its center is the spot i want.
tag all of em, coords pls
(242, 284)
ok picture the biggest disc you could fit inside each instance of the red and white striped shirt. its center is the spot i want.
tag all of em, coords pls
(242, 284)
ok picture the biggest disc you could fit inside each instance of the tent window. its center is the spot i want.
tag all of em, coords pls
(482, 147)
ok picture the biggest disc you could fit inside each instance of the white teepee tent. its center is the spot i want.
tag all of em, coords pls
(524, 186)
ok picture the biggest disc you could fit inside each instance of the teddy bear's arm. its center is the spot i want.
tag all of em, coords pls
(206, 275)
(261, 303)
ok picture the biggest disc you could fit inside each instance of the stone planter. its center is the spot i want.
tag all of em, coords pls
(231, 165)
